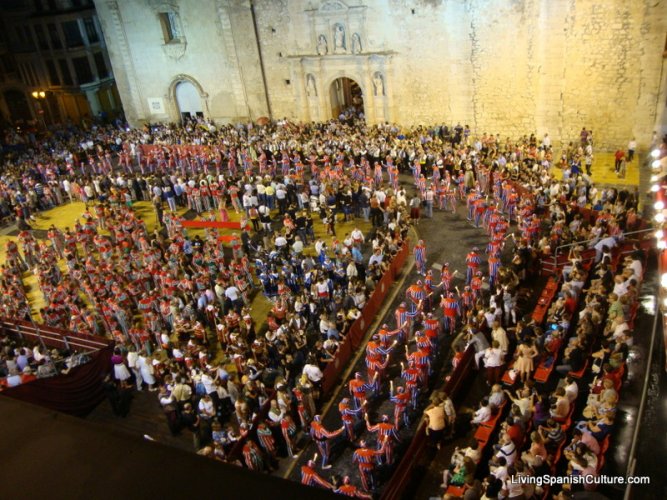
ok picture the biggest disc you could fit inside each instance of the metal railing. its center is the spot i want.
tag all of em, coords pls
(587, 244)
(632, 456)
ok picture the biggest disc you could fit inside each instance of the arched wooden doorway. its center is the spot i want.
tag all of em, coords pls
(346, 98)
(188, 100)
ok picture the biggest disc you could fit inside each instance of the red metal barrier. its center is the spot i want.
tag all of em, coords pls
(54, 337)
(201, 224)
(401, 477)
(357, 331)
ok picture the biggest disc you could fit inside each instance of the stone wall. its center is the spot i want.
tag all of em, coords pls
(502, 66)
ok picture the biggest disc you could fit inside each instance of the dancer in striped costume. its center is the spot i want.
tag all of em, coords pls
(446, 277)
(310, 477)
(419, 252)
(473, 260)
(401, 316)
(358, 387)
(387, 437)
(415, 295)
(348, 416)
(494, 267)
(349, 490)
(252, 456)
(288, 429)
(411, 377)
(365, 458)
(451, 310)
(401, 400)
(266, 440)
(321, 436)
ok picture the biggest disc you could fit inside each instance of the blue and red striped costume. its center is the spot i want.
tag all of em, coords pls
(420, 257)
(473, 261)
(266, 441)
(415, 294)
(252, 456)
(451, 309)
(311, 478)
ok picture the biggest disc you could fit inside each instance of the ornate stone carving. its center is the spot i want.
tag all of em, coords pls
(311, 88)
(332, 6)
(322, 46)
(175, 50)
(339, 38)
(356, 44)
(378, 84)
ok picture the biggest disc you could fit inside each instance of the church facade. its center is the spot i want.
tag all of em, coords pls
(500, 66)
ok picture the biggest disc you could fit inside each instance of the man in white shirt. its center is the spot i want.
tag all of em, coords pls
(297, 246)
(357, 237)
(483, 413)
(312, 371)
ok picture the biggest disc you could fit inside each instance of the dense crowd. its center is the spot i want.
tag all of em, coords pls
(179, 307)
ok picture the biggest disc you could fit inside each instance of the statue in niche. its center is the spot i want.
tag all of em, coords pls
(356, 44)
(322, 47)
(311, 89)
(378, 84)
(339, 38)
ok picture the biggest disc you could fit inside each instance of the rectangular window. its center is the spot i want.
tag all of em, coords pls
(42, 42)
(170, 27)
(72, 33)
(56, 43)
(64, 71)
(101, 65)
(54, 79)
(91, 30)
(82, 69)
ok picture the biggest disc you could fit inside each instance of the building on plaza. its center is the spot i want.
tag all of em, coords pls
(53, 62)
(505, 66)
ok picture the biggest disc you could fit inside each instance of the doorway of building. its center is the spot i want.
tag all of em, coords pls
(346, 98)
(188, 100)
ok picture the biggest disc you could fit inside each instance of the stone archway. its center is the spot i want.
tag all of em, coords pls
(346, 96)
(189, 98)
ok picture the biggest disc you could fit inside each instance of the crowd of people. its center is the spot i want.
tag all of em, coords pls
(21, 363)
(179, 308)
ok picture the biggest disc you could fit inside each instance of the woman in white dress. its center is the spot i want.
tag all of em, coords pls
(145, 365)
(120, 371)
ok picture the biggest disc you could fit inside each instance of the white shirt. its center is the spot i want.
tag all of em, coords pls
(313, 373)
(481, 415)
(493, 357)
(232, 293)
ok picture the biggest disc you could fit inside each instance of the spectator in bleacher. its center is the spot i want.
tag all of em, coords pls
(560, 405)
(536, 456)
(494, 362)
(505, 449)
(459, 474)
(497, 396)
(541, 411)
(483, 413)
(479, 342)
(600, 428)
(582, 437)
(552, 434)
(525, 353)
(573, 358)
